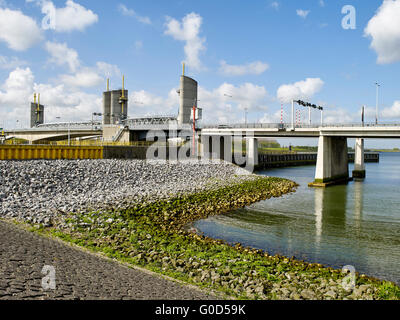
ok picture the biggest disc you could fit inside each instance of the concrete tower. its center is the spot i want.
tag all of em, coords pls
(37, 112)
(107, 104)
(115, 105)
(188, 98)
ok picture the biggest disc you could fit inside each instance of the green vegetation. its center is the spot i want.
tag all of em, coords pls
(152, 235)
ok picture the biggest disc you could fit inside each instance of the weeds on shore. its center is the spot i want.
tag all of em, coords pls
(151, 235)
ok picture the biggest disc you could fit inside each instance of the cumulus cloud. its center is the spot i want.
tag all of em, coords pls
(132, 13)
(17, 30)
(81, 76)
(69, 18)
(60, 54)
(107, 70)
(302, 13)
(143, 103)
(60, 101)
(384, 30)
(392, 112)
(67, 104)
(300, 90)
(217, 106)
(254, 68)
(228, 102)
(17, 87)
(188, 31)
(339, 115)
(85, 78)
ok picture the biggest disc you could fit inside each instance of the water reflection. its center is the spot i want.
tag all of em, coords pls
(358, 204)
(355, 224)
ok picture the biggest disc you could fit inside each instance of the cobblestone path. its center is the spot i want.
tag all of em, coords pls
(78, 274)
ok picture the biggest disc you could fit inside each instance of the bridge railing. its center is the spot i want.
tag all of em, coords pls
(297, 126)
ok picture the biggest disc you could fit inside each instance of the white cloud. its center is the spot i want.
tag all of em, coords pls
(188, 30)
(131, 13)
(384, 29)
(17, 30)
(272, 118)
(256, 68)
(59, 101)
(85, 78)
(60, 54)
(392, 112)
(228, 102)
(108, 70)
(11, 63)
(339, 115)
(300, 90)
(144, 103)
(275, 5)
(17, 87)
(69, 18)
(321, 3)
(302, 13)
(216, 105)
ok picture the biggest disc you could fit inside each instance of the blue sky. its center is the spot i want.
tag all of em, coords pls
(261, 53)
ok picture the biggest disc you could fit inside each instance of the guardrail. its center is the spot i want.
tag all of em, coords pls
(289, 126)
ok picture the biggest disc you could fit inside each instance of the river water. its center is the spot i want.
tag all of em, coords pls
(356, 224)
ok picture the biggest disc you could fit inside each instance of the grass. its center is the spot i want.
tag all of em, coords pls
(150, 235)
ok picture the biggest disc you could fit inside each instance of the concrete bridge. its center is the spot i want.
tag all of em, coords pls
(57, 132)
(332, 159)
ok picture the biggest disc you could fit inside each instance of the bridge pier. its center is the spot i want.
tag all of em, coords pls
(359, 160)
(252, 151)
(332, 162)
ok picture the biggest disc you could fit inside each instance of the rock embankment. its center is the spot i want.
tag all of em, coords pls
(39, 191)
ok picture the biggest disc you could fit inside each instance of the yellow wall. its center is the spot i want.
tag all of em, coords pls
(9, 152)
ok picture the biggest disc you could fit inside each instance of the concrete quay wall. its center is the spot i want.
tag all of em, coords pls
(300, 159)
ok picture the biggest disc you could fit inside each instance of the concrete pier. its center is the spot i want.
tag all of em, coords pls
(252, 151)
(332, 162)
(359, 160)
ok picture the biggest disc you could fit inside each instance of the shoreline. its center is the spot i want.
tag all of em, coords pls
(150, 235)
(214, 271)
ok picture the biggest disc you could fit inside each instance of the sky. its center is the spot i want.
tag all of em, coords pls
(246, 55)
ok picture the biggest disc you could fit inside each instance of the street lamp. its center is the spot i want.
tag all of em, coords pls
(377, 101)
(194, 126)
(245, 109)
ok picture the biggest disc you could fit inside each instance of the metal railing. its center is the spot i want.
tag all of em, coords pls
(299, 126)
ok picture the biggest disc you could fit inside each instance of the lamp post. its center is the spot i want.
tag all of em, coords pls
(377, 101)
(194, 126)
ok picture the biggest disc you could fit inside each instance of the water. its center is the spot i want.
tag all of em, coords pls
(356, 224)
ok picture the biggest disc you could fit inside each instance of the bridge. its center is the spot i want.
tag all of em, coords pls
(216, 140)
(332, 159)
(57, 132)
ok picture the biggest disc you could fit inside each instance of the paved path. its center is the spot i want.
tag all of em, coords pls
(78, 274)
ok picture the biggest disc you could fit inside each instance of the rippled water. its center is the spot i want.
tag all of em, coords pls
(356, 224)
